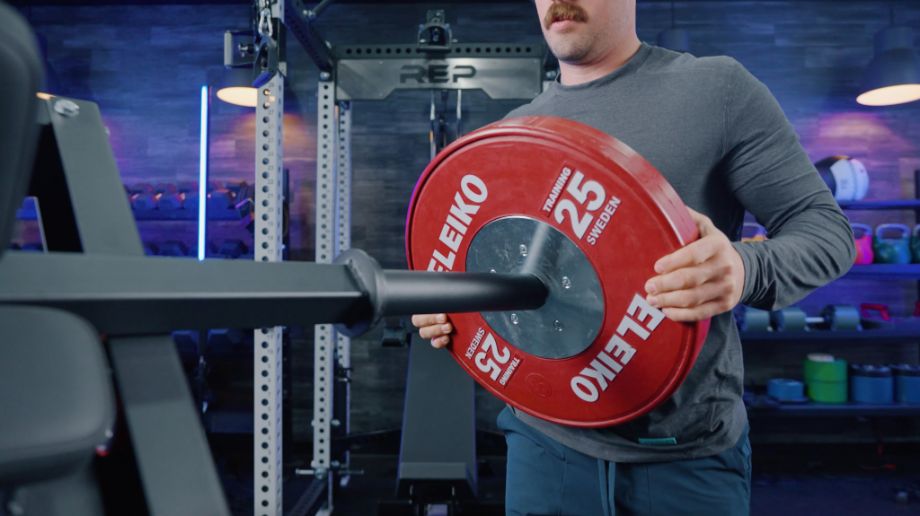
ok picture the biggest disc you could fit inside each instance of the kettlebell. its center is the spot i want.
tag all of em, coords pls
(892, 249)
(862, 237)
(915, 245)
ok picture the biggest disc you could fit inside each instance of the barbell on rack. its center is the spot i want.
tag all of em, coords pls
(554, 225)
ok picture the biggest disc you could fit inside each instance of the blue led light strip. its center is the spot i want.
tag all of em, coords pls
(203, 175)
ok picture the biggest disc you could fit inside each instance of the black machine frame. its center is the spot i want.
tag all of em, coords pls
(95, 268)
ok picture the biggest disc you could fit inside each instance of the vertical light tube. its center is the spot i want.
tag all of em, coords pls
(203, 175)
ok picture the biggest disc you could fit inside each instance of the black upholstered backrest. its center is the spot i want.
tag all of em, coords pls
(20, 76)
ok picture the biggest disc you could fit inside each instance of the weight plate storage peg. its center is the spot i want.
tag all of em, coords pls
(588, 216)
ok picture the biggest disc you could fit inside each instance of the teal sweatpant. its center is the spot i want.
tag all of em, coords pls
(545, 477)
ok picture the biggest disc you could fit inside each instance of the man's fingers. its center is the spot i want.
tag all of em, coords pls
(698, 313)
(435, 330)
(689, 298)
(691, 254)
(681, 279)
(421, 320)
(440, 342)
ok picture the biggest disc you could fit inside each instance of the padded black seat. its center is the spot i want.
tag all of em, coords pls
(57, 405)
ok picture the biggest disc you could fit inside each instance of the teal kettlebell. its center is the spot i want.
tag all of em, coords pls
(889, 248)
(915, 245)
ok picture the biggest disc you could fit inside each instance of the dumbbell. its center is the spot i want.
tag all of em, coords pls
(188, 189)
(221, 200)
(143, 197)
(168, 198)
(752, 319)
(241, 190)
(835, 317)
(190, 203)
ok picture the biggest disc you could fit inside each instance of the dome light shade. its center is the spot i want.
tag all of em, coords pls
(245, 96)
(236, 87)
(893, 76)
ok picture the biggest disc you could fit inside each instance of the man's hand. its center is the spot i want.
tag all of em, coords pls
(435, 327)
(700, 280)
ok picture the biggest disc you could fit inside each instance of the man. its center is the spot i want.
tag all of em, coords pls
(718, 136)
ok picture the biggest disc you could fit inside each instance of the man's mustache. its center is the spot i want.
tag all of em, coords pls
(564, 11)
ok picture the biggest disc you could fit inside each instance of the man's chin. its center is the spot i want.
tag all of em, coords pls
(569, 53)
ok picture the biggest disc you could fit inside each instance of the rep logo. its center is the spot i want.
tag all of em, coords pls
(435, 73)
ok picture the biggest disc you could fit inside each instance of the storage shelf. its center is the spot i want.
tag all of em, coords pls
(30, 215)
(187, 215)
(907, 204)
(899, 332)
(28, 212)
(828, 410)
(908, 271)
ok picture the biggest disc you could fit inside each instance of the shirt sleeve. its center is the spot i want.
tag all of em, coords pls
(810, 240)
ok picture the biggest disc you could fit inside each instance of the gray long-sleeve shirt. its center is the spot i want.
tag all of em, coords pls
(719, 137)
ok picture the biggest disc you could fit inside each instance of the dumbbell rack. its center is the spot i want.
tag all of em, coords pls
(899, 333)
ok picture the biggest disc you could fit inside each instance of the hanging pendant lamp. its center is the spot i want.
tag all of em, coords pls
(893, 75)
